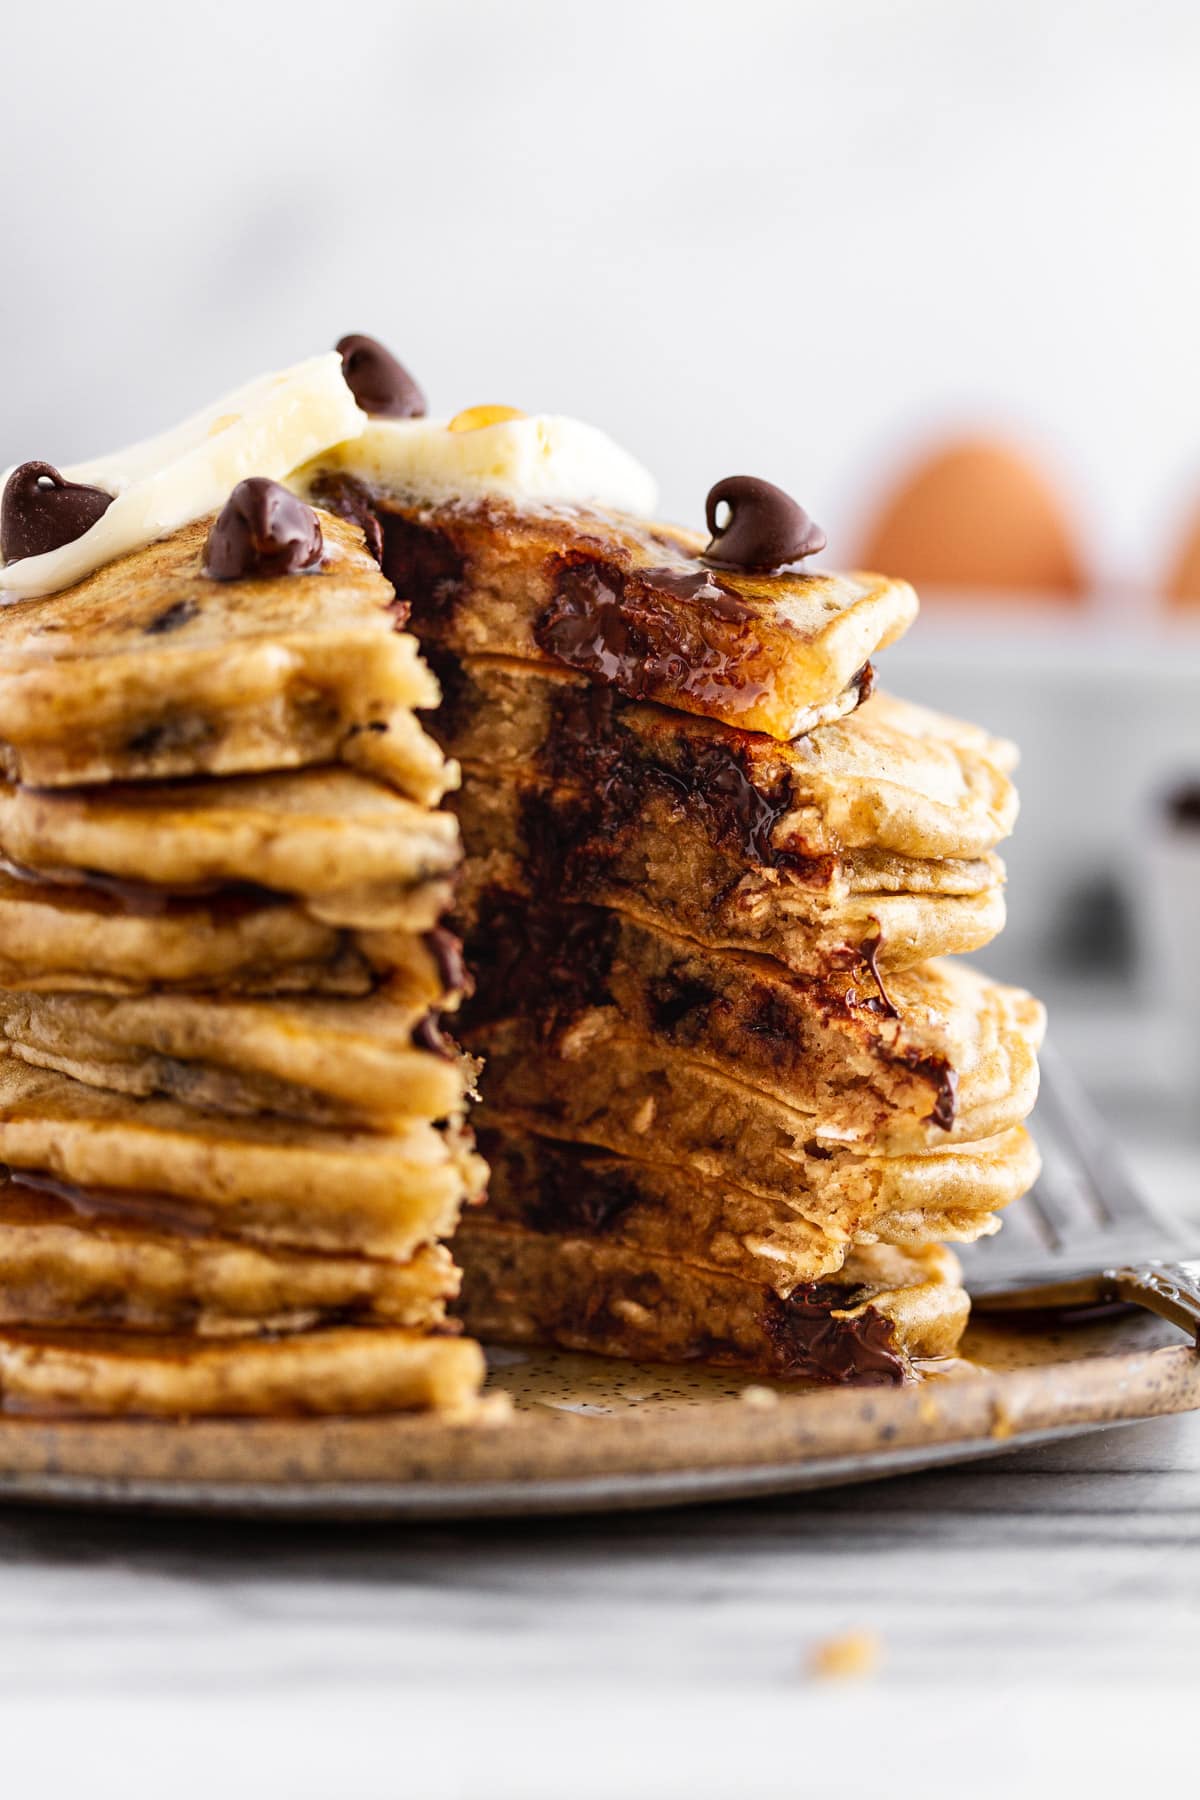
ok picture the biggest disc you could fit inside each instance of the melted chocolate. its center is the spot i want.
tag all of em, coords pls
(703, 588)
(870, 949)
(678, 1000)
(423, 564)
(428, 1035)
(616, 776)
(766, 528)
(347, 498)
(611, 625)
(140, 897)
(158, 1212)
(179, 731)
(262, 530)
(382, 386)
(558, 958)
(944, 1079)
(568, 1189)
(171, 618)
(447, 952)
(807, 1341)
(42, 511)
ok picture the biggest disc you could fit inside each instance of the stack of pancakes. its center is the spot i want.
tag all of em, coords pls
(231, 1127)
(734, 1100)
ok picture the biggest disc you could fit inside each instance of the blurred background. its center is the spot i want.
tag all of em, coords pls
(933, 268)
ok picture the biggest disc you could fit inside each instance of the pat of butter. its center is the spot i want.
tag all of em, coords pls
(266, 428)
(524, 460)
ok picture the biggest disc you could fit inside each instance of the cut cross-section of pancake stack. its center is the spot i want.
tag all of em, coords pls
(735, 1100)
(232, 1129)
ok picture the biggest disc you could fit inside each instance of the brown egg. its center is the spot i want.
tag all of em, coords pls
(1183, 585)
(978, 515)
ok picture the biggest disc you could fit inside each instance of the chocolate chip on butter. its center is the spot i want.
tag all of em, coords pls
(766, 528)
(382, 386)
(42, 511)
(262, 530)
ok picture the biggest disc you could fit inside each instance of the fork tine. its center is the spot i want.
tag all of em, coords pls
(1034, 1208)
(1113, 1196)
(1085, 1214)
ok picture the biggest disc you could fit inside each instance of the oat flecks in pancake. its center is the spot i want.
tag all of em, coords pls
(953, 1056)
(868, 1323)
(149, 669)
(799, 1214)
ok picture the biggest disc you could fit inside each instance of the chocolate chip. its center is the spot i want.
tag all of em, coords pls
(262, 530)
(428, 1035)
(447, 953)
(42, 511)
(382, 386)
(171, 617)
(766, 528)
(1183, 807)
(348, 499)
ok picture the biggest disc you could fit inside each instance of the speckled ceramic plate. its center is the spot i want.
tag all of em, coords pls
(588, 1434)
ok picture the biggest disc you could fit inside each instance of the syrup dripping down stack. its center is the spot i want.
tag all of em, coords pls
(231, 1126)
(736, 1097)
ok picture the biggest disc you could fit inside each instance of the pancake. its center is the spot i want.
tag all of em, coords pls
(368, 1062)
(148, 669)
(890, 777)
(628, 604)
(939, 1052)
(56, 938)
(60, 1267)
(865, 1325)
(356, 852)
(265, 1179)
(659, 863)
(347, 1370)
(636, 1098)
(667, 1209)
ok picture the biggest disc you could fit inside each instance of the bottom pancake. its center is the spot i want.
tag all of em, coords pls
(865, 1325)
(89, 1374)
(60, 1267)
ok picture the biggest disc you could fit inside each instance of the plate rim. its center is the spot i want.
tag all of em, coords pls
(546, 1461)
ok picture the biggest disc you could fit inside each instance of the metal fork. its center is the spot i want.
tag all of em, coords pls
(1086, 1236)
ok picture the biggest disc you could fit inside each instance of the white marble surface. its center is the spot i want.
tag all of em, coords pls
(1035, 1613)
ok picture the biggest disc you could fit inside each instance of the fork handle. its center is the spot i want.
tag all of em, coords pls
(1170, 1289)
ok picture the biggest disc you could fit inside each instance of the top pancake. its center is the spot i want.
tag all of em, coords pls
(149, 669)
(632, 606)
